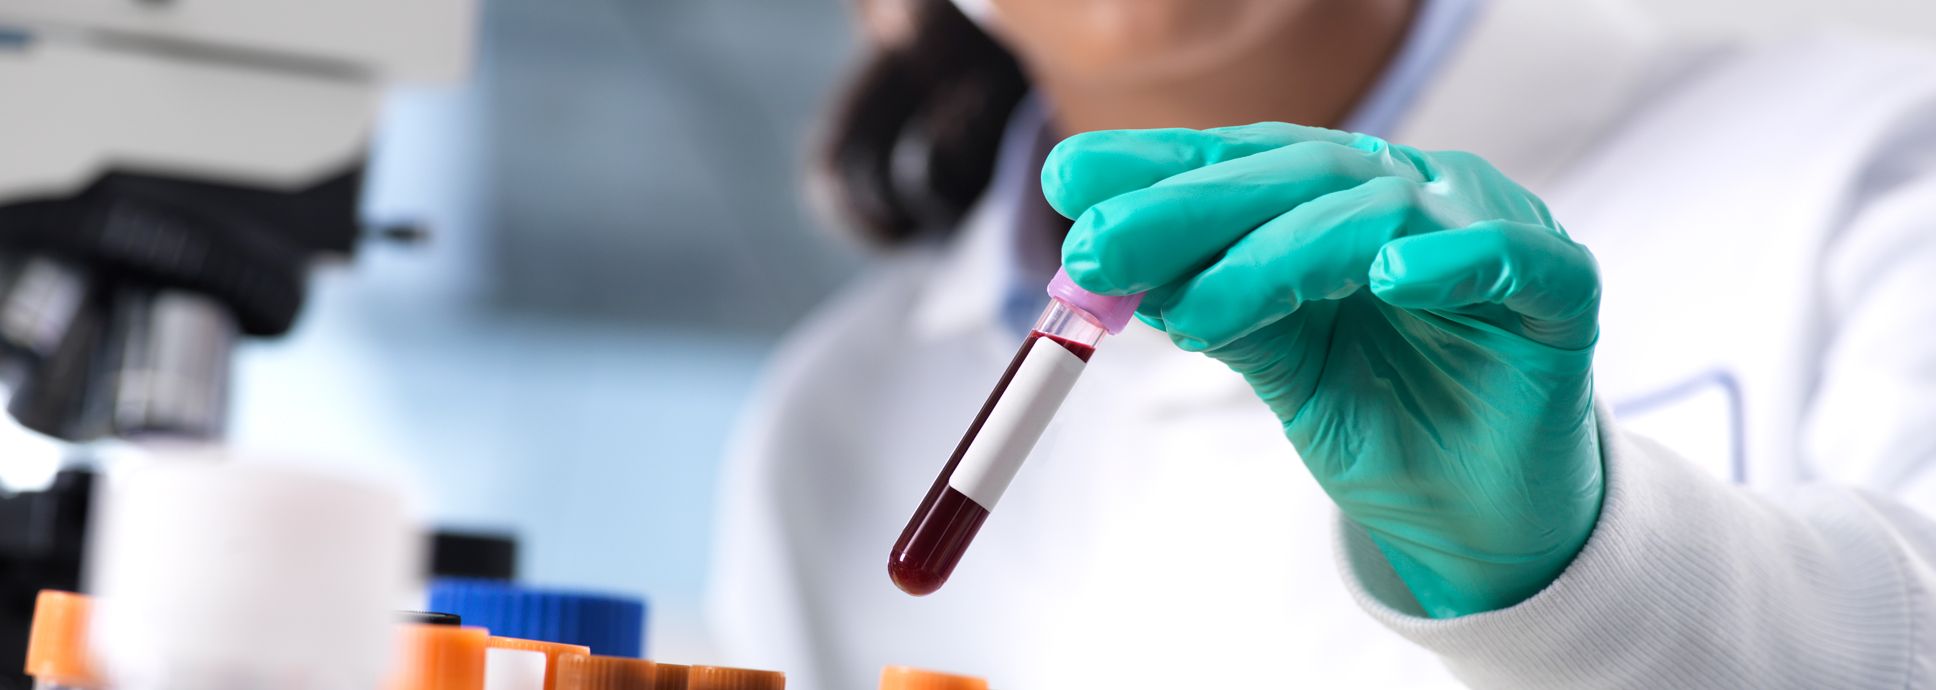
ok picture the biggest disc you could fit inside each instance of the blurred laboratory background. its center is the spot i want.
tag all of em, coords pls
(617, 239)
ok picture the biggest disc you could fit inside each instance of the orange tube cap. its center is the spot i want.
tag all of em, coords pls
(440, 657)
(590, 672)
(723, 678)
(57, 648)
(909, 678)
(670, 676)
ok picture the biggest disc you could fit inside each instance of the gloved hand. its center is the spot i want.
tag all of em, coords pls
(1421, 325)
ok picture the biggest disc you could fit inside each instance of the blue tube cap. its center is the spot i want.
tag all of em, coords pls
(611, 625)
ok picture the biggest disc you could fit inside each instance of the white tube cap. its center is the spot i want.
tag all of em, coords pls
(238, 575)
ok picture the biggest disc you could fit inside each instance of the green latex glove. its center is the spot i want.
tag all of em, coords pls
(1448, 408)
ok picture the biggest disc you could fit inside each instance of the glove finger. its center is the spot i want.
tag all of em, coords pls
(1086, 169)
(1321, 250)
(1549, 281)
(1150, 311)
(1165, 232)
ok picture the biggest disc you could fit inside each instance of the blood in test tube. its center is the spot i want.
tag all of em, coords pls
(1004, 432)
(935, 539)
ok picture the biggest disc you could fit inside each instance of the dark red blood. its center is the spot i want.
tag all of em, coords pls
(938, 534)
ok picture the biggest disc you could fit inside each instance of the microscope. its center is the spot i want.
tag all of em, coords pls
(170, 172)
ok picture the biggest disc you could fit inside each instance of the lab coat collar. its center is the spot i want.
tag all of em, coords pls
(1537, 82)
(1530, 87)
(966, 288)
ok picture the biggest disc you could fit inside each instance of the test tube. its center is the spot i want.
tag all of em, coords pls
(1050, 360)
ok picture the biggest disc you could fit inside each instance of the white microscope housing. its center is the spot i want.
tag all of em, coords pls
(169, 170)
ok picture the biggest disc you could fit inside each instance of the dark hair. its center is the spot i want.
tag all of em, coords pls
(913, 140)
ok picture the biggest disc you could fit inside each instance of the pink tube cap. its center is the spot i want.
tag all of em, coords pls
(1112, 312)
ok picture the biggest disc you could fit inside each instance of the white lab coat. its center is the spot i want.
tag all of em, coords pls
(1766, 223)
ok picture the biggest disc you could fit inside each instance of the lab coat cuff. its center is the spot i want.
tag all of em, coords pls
(1685, 580)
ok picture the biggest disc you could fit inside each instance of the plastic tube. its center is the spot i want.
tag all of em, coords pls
(1025, 399)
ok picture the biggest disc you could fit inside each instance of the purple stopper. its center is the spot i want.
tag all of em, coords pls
(1112, 312)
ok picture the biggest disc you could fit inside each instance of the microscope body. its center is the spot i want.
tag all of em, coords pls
(170, 172)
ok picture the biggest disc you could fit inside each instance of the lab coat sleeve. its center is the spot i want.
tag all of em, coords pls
(1691, 583)
(1871, 419)
(1688, 582)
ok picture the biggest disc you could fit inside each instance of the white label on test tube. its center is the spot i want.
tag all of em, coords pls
(1040, 384)
(513, 669)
